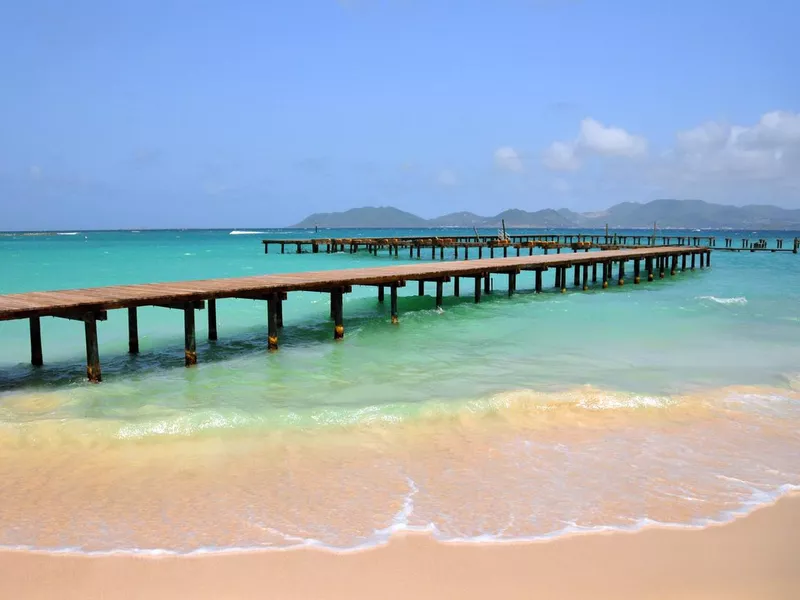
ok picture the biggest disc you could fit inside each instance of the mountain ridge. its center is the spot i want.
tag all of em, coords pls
(667, 213)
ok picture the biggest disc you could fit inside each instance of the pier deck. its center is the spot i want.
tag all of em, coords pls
(91, 305)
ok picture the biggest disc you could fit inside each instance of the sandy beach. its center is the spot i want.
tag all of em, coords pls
(754, 557)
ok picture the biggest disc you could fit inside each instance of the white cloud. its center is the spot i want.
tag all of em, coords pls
(609, 141)
(594, 139)
(770, 149)
(561, 156)
(508, 159)
(446, 177)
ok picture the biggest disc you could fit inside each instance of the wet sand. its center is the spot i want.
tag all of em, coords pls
(755, 557)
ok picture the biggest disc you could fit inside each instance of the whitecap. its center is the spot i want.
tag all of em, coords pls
(736, 300)
(67, 233)
(244, 232)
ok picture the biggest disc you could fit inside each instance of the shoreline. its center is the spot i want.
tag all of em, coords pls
(752, 556)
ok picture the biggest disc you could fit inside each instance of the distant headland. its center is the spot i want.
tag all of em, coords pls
(669, 214)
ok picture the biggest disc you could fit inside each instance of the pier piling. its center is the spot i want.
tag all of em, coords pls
(133, 331)
(393, 302)
(190, 345)
(272, 322)
(212, 320)
(337, 304)
(36, 342)
(92, 353)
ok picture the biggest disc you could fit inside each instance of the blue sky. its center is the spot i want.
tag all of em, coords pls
(198, 114)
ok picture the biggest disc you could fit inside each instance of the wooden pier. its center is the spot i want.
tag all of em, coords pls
(435, 246)
(91, 305)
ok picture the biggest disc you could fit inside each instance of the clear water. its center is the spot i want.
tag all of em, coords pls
(676, 401)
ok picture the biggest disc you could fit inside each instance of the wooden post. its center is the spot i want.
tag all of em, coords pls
(636, 268)
(512, 283)
(92, 352)
(283, 248)
(393, 302)
(337, 302)
(648, 265)
(420, 288)
(585, 277)
(478, 288)
(433, 252)
(466, 252)
(692, 261)
(683, 262)
(457, 286)
(708, 258)
(606, 273)
(439, 292)
(674, 268)
(410, 252)
(701, 260)
(491, 251)
(455, 249)
(563, 280)
(190, 343)
(36, 342)
(538, 287)
(133, 331)
(661, 267)
(621, 272)
(441, 252)
(487, 283)
(279, 311)
(480, 252)
(576, 277)
(557, 284)
(594, 272)
(212, 319)
(272, 322)
(380, 294)
(505, 251)
(419, 251)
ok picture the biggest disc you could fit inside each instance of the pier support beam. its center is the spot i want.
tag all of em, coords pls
(594, 272)
(708, 258)
(606, 274)
(380, 294)
(512, 284)
(585, 277)
(661, 266)
(683, 262)
(557, 283)
(133, 331)
(457, 286)
(674, 268)
(693, 255)
(36, 342)
(393, 302)
(272, 322)
(636, 271)
(478, 284)
(439, 293)
(487, 283)
(212, 320)
(538, 284)
(337, 308)
(92, 352)
(576, 278)
(564, 280)
(621, 272)
(421, 288)
(190, 342)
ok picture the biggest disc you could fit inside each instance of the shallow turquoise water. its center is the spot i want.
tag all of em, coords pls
(734, 324)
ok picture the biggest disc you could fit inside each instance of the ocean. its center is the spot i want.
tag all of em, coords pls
(675, 402)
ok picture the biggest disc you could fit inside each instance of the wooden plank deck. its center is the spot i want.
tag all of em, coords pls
(31, 304)
(90, 305)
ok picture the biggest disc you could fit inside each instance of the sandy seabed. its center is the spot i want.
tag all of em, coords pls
(755, 557)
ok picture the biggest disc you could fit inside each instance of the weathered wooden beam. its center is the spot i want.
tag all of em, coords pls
(636, 270)
(512, 284)
(585, 277)
(538, 284)
(212, 320)
(478, 283)
(36, 342)
(564, 280)
(133, 331)
(196, 304)
(92, 352)
(439, 292)
(576, 277)
(557, 283)
(594, 272)
(272, 323)
(693, 255)
(487, 283)
(337, 304)
(190, 341)
(457, 287)
(380, 294)
(393, 302)
(81, 315)
(648, 265)
(661, 266)
(674, 267)
(421, 287)
(683, 262)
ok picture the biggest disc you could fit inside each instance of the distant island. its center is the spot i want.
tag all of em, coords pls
(669, 214)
